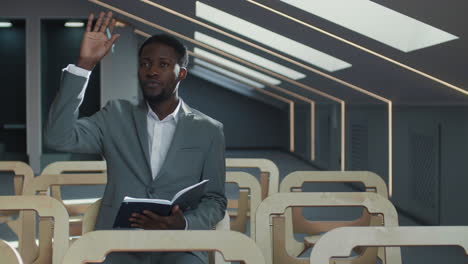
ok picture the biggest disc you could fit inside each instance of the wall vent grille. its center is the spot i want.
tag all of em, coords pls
(359, 146)
(424, 169)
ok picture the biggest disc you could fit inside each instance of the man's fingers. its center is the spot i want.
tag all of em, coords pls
(98, 22)
(176, 210)
(152, 215)
(114, 38)
(136, 220)
(111, 26)
(106, 21)
(140, 217)
(90, 22)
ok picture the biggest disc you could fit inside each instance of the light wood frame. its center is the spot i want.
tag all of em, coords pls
(269, 172)
(23, 174)
(94, 246)
(276, 205)
(246, 209)
(9, 253)
(45, 207)
(339, 242)
(296, 223)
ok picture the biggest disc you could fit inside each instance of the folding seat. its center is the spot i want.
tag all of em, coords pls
(49, 252)
(41, 186)
(269, 181)
(245, 181)
(22, 175)
(276, 205)
(9, 253)
(340, 241)
(296, 223)
(93, 246)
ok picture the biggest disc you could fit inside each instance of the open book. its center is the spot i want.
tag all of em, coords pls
(186, 199)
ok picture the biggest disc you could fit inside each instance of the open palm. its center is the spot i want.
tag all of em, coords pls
(95, 44)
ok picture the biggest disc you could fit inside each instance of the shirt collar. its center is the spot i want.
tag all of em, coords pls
(173, 116)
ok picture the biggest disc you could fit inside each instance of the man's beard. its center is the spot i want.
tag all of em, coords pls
(154, 99)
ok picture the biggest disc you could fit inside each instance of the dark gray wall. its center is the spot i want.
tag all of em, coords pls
(430, 171)
(13, 99)
(60, 46)
(247, 123)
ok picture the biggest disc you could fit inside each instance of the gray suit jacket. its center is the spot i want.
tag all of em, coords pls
(119, 132)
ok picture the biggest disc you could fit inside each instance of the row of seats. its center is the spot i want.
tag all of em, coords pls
(265, 205)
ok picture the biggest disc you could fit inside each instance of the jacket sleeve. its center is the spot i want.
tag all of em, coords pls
(212, 206)
(64, 131)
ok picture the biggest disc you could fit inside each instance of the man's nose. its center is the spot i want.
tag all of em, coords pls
(154, 70)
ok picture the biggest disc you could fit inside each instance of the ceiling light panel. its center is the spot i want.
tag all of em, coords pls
(5, 24)
(377, 22)
(74, 24)
(248, 56)
(230, 74)
(270, 38)
(236, 66)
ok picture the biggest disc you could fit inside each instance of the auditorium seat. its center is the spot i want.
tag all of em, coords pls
(46, 207)
(340, 241)
(22, 175)
(93, 246)
(294, 182)
(9, 253)
(275, 205)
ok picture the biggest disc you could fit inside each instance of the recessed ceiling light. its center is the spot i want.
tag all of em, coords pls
(221, 80)
(266, 37)
(74, 24)
(230, 74)
(5, 24)
(248, 56)
(236, 66)
(377, 22)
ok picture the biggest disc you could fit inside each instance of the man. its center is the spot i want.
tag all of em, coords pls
(153, 149)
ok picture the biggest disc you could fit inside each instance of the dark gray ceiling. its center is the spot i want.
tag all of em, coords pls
(447, 61)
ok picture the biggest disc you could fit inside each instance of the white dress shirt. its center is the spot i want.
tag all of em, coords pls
(160, 132)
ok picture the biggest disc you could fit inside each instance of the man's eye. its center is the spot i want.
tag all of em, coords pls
(164, 64)
(145, 64)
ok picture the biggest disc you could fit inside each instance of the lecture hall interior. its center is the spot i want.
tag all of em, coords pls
(345, 127)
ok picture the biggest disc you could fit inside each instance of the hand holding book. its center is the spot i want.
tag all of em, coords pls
(151, 221)
(166, 213)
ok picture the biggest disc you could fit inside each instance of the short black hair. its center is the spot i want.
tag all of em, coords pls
(170, 41)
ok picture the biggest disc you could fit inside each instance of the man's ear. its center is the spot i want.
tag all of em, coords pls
(182, 73)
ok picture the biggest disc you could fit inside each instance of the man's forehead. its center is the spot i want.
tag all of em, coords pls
(158, 51)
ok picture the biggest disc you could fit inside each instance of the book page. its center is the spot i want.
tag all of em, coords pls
(129, 199)
(177, 195)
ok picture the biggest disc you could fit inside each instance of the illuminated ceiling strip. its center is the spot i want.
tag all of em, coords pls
(236, 66)
(444, 83)
(376, 22)
(328, 76)
(266, 37)
(247, 76)
(270, 94)
(297, 96)
(5, 24)
(301, 85)
(74, 24)
(226, 71)
(325, 75)
(248, 56)
(229, 74)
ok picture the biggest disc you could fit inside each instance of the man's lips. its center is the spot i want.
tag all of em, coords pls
(152, 84)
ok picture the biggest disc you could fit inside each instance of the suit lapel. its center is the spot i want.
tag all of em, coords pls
(184, 123)
(140, 114)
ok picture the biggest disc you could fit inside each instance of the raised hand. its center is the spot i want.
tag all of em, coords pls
(95, 44)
